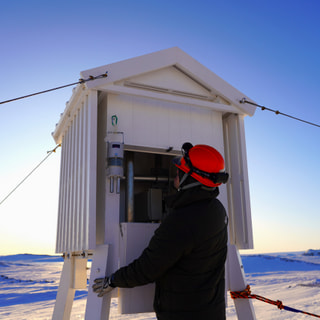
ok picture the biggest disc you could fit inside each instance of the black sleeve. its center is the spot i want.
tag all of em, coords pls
(169, 242)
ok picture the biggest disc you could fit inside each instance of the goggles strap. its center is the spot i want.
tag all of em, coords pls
(185, 176)
(190, 185)
(219, 177)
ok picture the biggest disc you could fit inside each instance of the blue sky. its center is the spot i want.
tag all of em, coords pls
(269, 50)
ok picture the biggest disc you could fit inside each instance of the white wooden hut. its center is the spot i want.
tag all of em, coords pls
(118, 135)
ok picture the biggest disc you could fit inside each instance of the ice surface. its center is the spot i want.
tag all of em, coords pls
(29, 284)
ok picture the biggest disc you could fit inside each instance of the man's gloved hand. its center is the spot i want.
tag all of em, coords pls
(103, 286)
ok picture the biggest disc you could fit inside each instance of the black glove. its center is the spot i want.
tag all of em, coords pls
(103, 286)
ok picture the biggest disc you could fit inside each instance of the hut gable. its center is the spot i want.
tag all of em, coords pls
(171, 72)
(169, 75)
(173, 81)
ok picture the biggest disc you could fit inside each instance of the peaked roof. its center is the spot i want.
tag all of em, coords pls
(210, 86)
(167, 75)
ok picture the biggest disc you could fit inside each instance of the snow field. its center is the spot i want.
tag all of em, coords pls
(29, 284)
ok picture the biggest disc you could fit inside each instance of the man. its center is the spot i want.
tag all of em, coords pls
(186, 255)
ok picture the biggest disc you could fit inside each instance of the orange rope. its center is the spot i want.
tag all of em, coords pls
(246, 294)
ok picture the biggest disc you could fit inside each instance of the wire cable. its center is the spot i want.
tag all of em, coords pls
(104, 75)
(244, 100)
(32, 171)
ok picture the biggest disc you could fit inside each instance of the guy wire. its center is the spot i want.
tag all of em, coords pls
(104, 75)
(31, 172)
(244, 100)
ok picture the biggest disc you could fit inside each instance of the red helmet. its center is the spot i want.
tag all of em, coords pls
(203, 163)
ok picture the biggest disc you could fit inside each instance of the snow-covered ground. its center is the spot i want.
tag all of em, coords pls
(29, 283)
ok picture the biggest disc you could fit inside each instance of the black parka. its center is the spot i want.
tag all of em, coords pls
(185, 258)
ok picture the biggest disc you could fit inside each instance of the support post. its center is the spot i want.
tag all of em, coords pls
(236, 282)
(98, 308)
(73, 276)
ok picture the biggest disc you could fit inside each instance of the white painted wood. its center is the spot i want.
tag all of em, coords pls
(89, 223)
(80, 273)
(127, 69)
(98, 308)
(170, 78)
(236, 282)
(61, 197)
(240, 224)
(71, 245)
(134, 238)
(73, 277)
(79, 94)
(82, 170)
(112, 229)
(116, 89)
(65, 295)
(145, 65)
(160, 124)
(77, 199)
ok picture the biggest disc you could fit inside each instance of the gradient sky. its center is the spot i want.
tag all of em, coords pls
(268, 49)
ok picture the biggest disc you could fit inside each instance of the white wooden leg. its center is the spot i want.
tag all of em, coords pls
(98, 308)
(65, 295)
(236, 282)
(73, 276)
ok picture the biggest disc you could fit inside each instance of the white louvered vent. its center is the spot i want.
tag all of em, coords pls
(76, 213)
